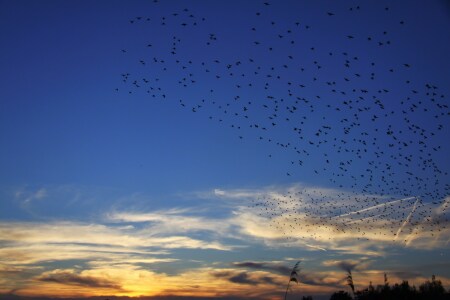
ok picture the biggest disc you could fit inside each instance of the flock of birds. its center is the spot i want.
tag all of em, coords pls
(319, 215)
(345, 114)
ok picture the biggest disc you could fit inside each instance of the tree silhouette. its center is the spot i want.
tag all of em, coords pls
(429, 290)
(434, 288)
(341, 295)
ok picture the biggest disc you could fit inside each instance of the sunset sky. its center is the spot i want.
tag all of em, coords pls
(202, 148)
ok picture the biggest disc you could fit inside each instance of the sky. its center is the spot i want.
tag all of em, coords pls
(202, 148)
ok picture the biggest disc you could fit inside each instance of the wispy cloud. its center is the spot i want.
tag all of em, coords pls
(292, 222)
(267, 266)
(172, 221)
(327, 219)
(71, 277)
(348, 265)
(26, 197)
(28, 244)
(248, 278)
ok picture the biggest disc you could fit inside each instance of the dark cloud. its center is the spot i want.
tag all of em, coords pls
(319, 280)
(280, 269)
(8, 271)
(347, 266)
(310, 279)
(244, 278)
(222, 274)
(67, 277)
(405, 275)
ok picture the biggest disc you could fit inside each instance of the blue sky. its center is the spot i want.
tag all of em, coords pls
(297, 130)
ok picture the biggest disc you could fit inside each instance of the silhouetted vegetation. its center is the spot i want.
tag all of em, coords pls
(341, 295)
(292, 277)
(428, 290)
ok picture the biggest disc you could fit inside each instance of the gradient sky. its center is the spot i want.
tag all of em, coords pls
(127, 170)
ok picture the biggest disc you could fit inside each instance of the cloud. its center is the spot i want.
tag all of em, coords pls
(316, 218)
(88, 239)
(239, 194)
(406, 275)
(172, 221)
(126, 244)
(280, 269)
(247, 278)
(318, 279)
(219, 192)
(293, 223)
(26, 197)
(283, 232)
(346, 265)
(307, 217)
(28, 245)
(70, 277)
(309, 277)
(242, 278)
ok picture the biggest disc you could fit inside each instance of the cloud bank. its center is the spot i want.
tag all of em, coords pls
(124, 251)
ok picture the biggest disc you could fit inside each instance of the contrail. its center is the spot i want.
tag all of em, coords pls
(407, 218)
(316, 247)
(443, 207)
(441, 210)
(375, 206)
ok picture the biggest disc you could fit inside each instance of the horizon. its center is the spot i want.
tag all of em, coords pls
(199, 149)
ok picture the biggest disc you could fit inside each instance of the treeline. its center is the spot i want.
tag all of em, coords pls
(429, 290)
